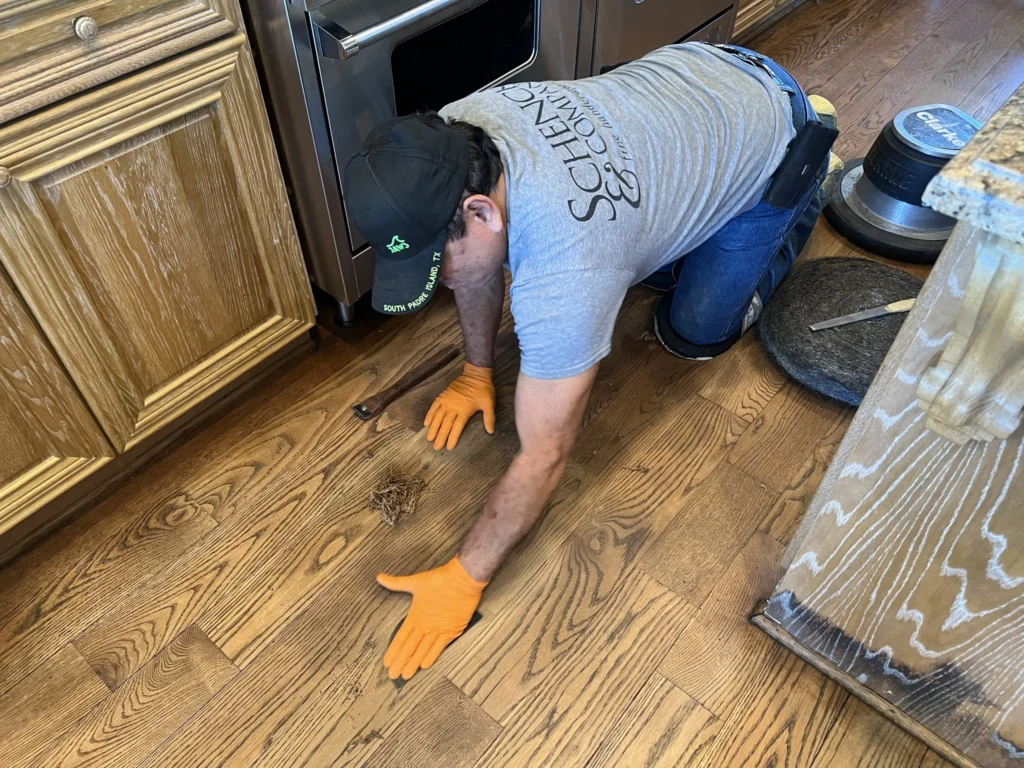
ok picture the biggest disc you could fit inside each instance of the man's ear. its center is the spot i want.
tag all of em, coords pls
(484, 210)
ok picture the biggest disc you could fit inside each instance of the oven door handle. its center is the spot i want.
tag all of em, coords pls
(337, 43)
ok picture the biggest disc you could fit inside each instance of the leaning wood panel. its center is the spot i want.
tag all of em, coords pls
(908, 575)
(48, 440)
(146, 224)
(52, 49)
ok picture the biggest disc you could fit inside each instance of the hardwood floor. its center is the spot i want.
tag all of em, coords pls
(220, 608)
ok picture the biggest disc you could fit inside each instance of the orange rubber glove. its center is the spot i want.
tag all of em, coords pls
(443, 602)
(473, 391)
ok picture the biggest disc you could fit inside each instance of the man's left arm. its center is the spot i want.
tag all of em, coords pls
(548, 416)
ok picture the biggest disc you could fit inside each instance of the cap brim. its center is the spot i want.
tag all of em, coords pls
(406, 285)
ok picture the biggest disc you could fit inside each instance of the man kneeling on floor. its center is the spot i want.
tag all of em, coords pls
(695, 170)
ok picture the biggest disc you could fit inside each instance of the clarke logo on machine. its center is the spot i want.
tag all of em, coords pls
(397, 244)
(936, 125)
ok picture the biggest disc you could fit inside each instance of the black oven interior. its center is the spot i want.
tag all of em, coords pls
(463, 54)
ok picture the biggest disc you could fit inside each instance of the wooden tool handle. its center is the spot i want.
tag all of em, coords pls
(374, 406)
(900, 306)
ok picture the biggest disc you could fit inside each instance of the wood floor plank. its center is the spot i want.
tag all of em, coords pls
(720, 653)
(862, 738)
(46, 703)
(857, 42)
(59, 588)
(147, 709)
(243, 619)
(848, 87)
(744, 379)
(133, 633)
(544, 597)
(784, 434)
(629, 485)
(565, 717)
(998, 84)
(799, 43)
(662, 728)
(781, 720)
(445, 729)
(898, 89)
(785, 516)
(319, 693)
(327, 468)
(704, 537)
(953, 83)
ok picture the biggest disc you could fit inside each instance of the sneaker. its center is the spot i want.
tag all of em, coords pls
(826, 112)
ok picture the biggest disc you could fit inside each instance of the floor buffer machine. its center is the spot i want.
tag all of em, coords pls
(877, 199)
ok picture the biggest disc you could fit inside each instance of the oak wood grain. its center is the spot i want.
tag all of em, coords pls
(135, 719)
(815, 32)
(55, 591)
(743, 380)
(998, 84)
(42, 60)
(719, 655)
(861, 738)
(782, 720)
(303, 474)
(781, 522)
(45, 703)
(446, 728)
(702, 539)
(661, 727)
(794, 418)
(50, 439)
(899, 86)
(559, 722)
(147, 227)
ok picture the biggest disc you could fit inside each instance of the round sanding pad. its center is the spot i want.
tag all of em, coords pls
(837, 362)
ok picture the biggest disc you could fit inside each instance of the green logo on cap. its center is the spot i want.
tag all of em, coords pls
(397, 244)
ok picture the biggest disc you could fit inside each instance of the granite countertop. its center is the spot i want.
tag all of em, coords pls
(984, 184)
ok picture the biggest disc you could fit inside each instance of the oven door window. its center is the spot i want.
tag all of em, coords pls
(475, 49)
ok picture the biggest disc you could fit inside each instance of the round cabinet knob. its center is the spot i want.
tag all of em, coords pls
(86, 27)
(5, 177)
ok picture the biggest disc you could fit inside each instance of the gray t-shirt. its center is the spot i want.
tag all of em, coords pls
(611, 177)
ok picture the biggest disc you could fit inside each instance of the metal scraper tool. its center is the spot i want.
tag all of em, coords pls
(888, 309)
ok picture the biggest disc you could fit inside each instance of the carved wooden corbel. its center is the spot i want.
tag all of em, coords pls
(976, 391)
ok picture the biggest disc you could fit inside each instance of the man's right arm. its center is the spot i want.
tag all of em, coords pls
(480, 308)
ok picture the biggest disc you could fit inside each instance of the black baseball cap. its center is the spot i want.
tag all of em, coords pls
(402, 190)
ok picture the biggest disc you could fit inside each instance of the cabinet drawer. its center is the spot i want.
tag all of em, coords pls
(50, 49)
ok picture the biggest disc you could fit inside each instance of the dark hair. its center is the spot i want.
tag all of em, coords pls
(484, 167)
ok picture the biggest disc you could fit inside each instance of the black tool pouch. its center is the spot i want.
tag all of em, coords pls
(804, 157)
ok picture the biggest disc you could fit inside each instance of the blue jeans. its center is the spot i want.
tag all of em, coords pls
(724, 281)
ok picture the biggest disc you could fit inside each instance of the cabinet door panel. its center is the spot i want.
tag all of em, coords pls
(49, 439)
(148, 228)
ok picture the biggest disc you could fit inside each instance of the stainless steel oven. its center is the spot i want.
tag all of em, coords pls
(333, 70)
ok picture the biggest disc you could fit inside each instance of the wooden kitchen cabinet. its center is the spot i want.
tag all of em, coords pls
(50, 441)
(146, 225)
(750, 13)
(51, 49)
